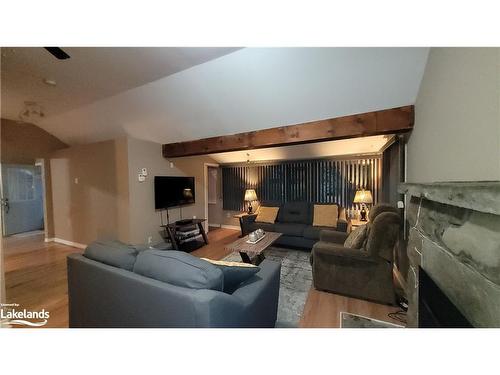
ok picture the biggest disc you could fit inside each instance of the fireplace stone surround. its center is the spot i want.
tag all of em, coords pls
(454, 235)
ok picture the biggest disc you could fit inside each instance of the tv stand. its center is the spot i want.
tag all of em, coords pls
(171, 230)
(184, 222)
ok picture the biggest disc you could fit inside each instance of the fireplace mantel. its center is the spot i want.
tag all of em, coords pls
(454, 235)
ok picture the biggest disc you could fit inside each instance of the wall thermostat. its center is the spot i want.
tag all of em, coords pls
(144, 171)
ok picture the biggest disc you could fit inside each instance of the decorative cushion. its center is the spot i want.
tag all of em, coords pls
(112, 253)
(267, 214)
(234, 273)
(179, 268)
(357, 238)
(326, 215)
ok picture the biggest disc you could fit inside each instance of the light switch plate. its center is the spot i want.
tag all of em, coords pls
(144, 171)
(141, 177)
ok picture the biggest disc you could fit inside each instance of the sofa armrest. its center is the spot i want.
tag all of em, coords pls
(246, 221)
(338, 254)
(259, 295)
(342, 225)
(333, 236)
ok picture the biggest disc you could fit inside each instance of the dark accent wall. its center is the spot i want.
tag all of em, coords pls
(318, 180)
(393, 173)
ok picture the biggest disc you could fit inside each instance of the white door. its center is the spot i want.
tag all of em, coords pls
(22, 200)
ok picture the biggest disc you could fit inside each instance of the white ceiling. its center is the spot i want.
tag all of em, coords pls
(355, 146)
(90, 74)
(249, 89)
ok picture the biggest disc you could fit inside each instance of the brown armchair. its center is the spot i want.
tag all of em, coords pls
(364, 273)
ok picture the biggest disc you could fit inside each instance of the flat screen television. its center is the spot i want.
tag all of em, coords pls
(173, 191)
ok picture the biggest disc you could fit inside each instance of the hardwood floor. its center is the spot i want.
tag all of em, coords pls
(35, 278)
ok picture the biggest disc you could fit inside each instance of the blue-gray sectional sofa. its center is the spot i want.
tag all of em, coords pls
(115, 285)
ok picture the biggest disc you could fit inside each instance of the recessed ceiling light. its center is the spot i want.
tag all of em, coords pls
(49, 82)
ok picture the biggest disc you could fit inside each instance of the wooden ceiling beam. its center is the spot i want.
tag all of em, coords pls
(389, 121)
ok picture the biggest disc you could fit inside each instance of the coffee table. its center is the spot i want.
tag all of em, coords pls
(248, 251)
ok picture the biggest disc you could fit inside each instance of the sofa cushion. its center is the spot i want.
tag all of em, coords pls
(325, 215)
(314, 232)
(267, 214)
(112, 253)
(290, 229)
(295, 212)
(357, 238)
(265, 226)
(179, 268)
(234, 273)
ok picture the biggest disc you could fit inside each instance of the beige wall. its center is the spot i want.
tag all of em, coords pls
(457, 118)
(24, 143)
(144, 219)
(90, 192)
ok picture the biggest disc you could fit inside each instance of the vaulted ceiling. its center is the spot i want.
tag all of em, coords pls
(178, 94)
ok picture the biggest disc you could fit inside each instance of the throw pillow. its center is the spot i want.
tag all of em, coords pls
(267, 214)
(326, 215)
(356, 239)
(234, 273)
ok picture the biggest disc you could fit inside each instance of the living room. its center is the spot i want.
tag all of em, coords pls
(250, 187)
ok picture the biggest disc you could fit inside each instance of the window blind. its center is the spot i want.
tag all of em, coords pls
(318, 181)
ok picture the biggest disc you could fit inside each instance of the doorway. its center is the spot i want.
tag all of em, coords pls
(212, 196)
(22, 199)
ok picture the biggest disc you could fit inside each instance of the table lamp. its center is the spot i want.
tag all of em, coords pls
(364, 197)
(250, 196)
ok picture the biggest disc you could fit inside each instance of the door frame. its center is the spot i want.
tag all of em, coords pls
(205, 187)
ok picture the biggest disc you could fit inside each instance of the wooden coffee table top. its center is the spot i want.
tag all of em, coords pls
(253, 249)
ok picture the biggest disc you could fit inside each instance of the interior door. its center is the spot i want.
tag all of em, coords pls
(22, 200)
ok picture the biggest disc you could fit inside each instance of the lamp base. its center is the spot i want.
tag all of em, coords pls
(250, 209)
(363, 214)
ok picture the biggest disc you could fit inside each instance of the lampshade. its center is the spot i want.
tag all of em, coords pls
(363, 196)
(250, 195)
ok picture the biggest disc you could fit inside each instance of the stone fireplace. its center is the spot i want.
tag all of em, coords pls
(454, 235)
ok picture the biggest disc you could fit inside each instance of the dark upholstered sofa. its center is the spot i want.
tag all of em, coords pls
(126, 288)
(366, 272)
(295, 221)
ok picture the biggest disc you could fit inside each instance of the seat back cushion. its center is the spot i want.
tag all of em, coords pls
(267, 214)
(295, 212)
(179, 268)
(356, 238)
(234, 273)
(112, 253)
(326, 215)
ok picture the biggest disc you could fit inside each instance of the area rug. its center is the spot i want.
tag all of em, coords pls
(348, 320)
(295, 282)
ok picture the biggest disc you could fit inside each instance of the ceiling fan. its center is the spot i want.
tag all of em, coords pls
(58, 53)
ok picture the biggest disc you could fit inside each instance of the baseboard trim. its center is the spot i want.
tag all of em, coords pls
(49, 239)
(66, 242)
(234, 227)
(214, 225)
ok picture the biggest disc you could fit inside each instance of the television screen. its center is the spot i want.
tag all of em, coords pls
(173, 191)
